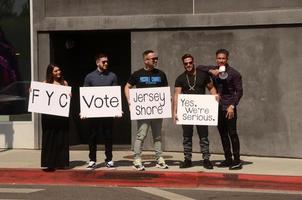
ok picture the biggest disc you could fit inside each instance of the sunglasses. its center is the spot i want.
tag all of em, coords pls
(155, 58)
(105, 61)
(188, 63)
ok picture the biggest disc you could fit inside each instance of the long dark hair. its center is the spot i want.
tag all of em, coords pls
(49, 76)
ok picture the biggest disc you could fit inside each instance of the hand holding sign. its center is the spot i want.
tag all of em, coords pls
(102, 101)
(49, 99)
(150, 103)
(197, 109)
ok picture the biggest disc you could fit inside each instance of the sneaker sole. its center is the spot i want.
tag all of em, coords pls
(235, 168)
(109, 166)
(162, 167)
(139, 169)
(90, 168)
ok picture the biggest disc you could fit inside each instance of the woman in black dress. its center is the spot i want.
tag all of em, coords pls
(55, 138)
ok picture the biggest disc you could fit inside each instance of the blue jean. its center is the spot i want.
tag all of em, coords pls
(142, 130)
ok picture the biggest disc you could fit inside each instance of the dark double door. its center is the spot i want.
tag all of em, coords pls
(74, 52)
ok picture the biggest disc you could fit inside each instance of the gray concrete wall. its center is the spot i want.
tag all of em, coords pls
(56, 8)
(269, 113)
(142, 14)
(216, 6)
(262, 35)
(60, 8)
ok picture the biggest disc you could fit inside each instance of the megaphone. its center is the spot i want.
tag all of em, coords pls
(222, 72)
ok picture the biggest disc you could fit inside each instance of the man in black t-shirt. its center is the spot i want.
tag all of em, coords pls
(193, 81)
(143, 78)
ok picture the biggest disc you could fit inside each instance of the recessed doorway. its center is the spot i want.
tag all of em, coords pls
(74, 52)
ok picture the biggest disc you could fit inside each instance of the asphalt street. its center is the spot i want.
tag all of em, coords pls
(38, 192)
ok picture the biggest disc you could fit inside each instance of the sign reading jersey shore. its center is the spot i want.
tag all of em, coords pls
(101, 101)
(197, 109)
(49, 99)
(150, 103)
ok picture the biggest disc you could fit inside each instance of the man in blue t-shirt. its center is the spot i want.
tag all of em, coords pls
(146, 77)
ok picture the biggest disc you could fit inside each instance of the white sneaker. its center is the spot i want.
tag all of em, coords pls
(137, 164)
(109, 164)
(91, 165)
(161, 163)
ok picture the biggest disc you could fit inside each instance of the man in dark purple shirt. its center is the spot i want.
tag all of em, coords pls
(228, 83)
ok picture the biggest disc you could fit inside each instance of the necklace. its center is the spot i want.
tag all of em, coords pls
(191, 87)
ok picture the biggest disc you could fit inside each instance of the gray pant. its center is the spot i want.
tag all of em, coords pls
(203, 141)
(142, 130)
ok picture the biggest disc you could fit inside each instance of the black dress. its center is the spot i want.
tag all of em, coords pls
(55, 142)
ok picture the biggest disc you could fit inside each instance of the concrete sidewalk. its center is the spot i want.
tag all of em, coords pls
(15, 158)
(23, 166)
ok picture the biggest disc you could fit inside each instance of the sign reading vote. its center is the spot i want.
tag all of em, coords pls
(150, 103)
(101, 101)
(197, 110)
(49, 99)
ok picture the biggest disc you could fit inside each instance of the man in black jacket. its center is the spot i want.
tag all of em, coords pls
(228, 83)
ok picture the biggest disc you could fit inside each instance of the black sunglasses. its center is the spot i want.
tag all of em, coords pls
(188, 63)
(155, 58)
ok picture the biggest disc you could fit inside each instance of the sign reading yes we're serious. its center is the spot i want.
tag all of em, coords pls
(150, 103)
(197, 110)
(49, 99)
(101, 101)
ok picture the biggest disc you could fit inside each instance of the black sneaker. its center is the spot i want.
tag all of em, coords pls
(186, 164)
(236, 165)
(225, 163)
(207, 164)
(49, 169)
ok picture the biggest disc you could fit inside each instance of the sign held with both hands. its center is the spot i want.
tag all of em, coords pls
(106, 101)
(49, 99)
(101, 101)
(150, 103)
(197, 109)
(94, 101)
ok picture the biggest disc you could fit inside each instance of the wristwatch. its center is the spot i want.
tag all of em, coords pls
(232, 106)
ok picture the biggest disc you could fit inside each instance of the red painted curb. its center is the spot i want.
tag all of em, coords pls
(150, 179)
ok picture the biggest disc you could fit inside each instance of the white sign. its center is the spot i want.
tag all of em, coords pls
(150, 103)
(100, 101)
(197, 109)
(49, 99)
